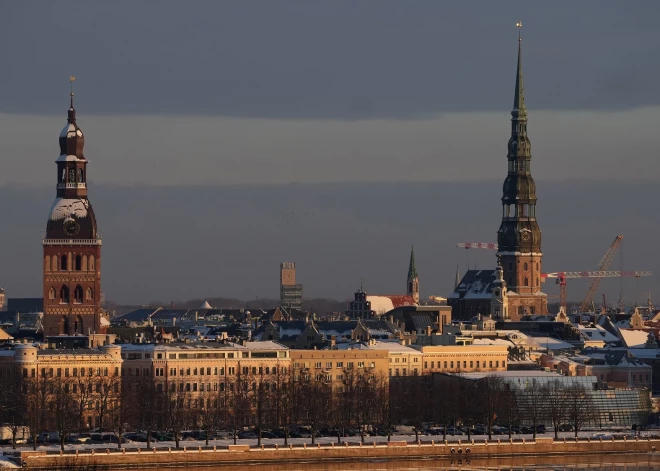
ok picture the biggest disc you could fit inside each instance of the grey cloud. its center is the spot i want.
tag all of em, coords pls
(339, 59)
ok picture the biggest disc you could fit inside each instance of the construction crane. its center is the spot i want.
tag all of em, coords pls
(603, 265)
(561, 278)
(477, 245)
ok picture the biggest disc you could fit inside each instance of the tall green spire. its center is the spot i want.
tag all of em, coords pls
(519, 111)
(412, 271)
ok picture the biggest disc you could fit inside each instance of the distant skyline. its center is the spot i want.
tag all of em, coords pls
(219, 116)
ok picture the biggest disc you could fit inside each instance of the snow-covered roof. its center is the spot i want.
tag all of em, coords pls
(596, 333)
(487, 341)
(206, 305)
(65, 207)
(551, 343)
(69, 158)
(381, 304)
(634, 338)
(69, 130)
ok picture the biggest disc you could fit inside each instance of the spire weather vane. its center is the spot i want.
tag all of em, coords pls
(519, 26)
(72, 78)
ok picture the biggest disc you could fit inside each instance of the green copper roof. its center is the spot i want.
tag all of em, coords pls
(412, 271)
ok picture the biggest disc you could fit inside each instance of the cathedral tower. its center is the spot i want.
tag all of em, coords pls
(413, 279)
(519, 236)
(72, 245)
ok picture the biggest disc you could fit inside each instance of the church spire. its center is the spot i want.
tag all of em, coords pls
(519, 111)
(413, 278)
(412, 271)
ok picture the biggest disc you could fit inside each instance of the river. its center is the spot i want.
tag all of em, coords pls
(607, 462)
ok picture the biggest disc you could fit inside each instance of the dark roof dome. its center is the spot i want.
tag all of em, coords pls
(72, 140)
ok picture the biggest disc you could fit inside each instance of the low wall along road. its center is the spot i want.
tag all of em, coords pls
(113, 458)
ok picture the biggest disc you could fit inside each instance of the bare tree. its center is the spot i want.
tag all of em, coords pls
(82, 388)
(106, 388)
(35, 394)
(366, 404)
(62, 409)
(416, 401)
(532, 404)
(492, 391)
(384, 404)
(178, 405)
(285, 401)
(13, 404)
(510, 405)
(240, 402)
(555, 404)
(119, 409)
(148, 400)
(209, 414)
(579, 406)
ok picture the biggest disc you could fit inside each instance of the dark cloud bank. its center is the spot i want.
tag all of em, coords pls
(195, 242)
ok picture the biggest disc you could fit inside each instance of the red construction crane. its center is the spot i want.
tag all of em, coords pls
(603, 265)
(564, 275)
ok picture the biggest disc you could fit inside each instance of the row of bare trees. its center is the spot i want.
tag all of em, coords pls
(494, 401)
(286, 402)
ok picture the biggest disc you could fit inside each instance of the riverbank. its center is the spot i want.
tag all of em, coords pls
(280, 457)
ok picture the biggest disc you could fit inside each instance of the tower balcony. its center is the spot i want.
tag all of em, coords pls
(96, 241)
(75, 186)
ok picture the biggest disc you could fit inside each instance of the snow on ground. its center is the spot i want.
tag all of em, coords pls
(224, 442)
(5, 463)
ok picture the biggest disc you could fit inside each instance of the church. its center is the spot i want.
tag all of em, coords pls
(513, 289)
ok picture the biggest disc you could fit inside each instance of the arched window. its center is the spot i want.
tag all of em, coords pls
(51, 293)
(532, 310)
(521, 310)
(78, 326)
(526, 282)
(64, 294)
(64, 262)
(80, 175)
(89, 294)
(91, 263)
(84, 263)
(64, 326)
(525, 266)
(78, 294)
(78, 263)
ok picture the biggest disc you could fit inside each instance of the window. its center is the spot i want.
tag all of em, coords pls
(340, 364)
(64, 263)
(64, 294)
(78, 294)
(51, 293)
(526, 282)
(78, 263)
(317, 364)
(89, 294)
(360, 364)
(432, 364)
(525, 266)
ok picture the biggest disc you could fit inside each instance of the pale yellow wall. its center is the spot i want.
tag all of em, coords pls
(464, 358)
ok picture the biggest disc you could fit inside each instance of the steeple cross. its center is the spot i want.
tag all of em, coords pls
(72, 78)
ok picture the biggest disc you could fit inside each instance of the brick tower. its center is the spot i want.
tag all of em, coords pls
(72, 245)
(519, 236)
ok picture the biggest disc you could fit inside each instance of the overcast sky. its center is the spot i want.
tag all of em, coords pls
(173, 93)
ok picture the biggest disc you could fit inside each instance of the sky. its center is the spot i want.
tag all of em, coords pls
(238, 101)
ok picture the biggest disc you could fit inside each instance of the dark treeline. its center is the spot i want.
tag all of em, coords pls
(287, 404)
